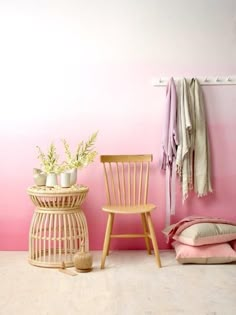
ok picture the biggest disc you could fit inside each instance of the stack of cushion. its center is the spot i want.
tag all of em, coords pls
(205, 243)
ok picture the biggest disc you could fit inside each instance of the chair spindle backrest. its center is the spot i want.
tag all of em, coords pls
(126, 178)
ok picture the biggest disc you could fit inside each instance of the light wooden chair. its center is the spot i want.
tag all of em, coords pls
(126, 182)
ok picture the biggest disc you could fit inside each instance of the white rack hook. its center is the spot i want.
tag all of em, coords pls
(219, 80)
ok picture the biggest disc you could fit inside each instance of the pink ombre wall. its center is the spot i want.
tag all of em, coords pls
(70, 68)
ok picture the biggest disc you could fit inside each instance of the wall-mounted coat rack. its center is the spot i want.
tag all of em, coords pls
(229, 80)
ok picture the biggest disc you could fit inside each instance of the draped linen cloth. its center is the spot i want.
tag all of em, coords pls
(184, 158)
(169, 146)
(193, 157)
(202, 167)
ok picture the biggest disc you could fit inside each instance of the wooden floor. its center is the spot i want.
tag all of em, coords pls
(131, 284)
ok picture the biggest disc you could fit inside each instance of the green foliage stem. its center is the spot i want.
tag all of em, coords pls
(84, 154)
(49, 161)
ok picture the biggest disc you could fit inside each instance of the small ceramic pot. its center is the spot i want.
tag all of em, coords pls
(51, 180)
(39, 177)
(65, 180)
(73, 176)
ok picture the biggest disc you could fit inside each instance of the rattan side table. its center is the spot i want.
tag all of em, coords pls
(58, 227)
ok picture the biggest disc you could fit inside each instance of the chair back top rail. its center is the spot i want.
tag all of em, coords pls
(126, 158)
(126, 179)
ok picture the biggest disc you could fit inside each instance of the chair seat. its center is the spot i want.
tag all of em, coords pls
(129, 209)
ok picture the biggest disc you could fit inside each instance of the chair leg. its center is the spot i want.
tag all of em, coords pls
(145, 228)
(112, 220)
(106, 239)
(153, 237)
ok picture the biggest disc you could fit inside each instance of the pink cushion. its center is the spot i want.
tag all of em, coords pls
(206, 254)
(206, 233)
(233, 244)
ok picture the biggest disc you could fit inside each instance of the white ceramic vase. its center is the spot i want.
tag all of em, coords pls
(73, 176)
(65, 179)
(51, 180)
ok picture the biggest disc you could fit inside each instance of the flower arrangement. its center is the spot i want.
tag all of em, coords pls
(49, 161)
(84, 154)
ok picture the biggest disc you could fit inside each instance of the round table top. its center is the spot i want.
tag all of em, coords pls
(56, 190)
